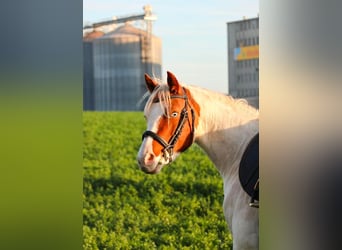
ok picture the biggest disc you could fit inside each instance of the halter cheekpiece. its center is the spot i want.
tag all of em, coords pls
(168, 146)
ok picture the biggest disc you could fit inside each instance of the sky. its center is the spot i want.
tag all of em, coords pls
(193, 33)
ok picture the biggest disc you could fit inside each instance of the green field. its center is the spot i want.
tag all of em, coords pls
(124, 208)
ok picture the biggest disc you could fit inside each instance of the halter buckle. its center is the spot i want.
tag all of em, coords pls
(168, 153)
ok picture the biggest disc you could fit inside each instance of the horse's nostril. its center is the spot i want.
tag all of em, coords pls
(149, 158)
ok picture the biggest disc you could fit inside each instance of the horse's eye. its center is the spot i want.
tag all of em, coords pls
(174, 114)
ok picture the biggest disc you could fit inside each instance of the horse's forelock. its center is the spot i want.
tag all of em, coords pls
(162, 94)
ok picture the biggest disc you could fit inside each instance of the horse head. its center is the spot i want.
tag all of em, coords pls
(171, 115)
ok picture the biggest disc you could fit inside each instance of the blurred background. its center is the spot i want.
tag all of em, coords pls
(212, 45)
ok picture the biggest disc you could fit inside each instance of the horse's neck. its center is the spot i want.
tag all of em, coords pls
(224, 130)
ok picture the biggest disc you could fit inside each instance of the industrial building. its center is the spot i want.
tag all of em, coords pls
(243, 60)
(115, 62)
(88, 69)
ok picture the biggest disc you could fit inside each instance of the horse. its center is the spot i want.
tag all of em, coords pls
(179, 115)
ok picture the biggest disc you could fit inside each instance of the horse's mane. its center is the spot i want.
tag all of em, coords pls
(162, 93)
(242, 104)
(236, 103)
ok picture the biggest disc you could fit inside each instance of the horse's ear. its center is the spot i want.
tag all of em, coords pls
(150, 83)
(172, 81)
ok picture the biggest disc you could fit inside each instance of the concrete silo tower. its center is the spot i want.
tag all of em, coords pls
(120, 59)
(88, 69)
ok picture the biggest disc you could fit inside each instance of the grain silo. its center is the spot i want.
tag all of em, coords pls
(88, 72)
(121, 58)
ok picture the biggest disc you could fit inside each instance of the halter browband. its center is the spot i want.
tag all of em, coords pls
(168, 146)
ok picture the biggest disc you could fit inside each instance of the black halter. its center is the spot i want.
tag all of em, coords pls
(168, 146)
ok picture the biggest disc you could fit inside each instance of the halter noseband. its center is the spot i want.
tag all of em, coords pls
(168, 146)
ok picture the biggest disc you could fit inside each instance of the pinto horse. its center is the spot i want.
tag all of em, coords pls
(177, 116)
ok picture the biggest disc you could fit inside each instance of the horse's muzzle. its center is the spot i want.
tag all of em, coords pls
(150, 169)
(149, 163)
